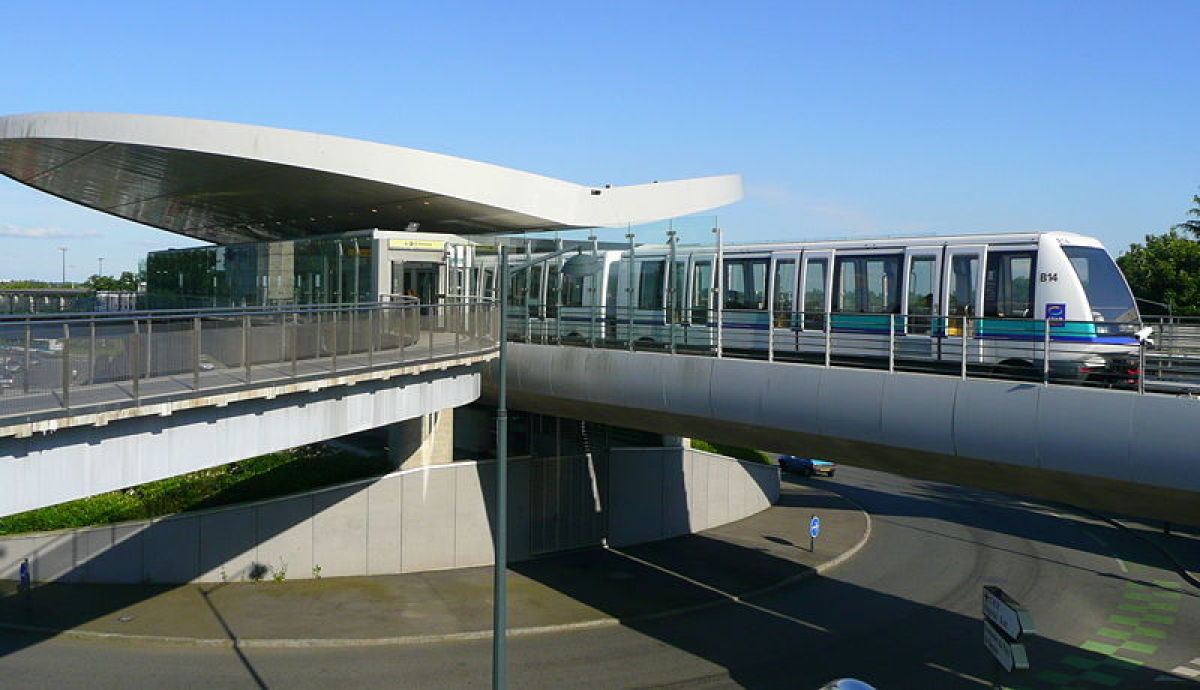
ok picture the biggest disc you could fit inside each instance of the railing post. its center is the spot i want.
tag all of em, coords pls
(28, 357)
(1141, 385)
(135, 358)
(195, 353)
(295, 340)
(459, 324)
(771, 334)
(719, 292)
(334, 340)
(246, 345)
(403, 327)
(149, 347)
(1046, 351)
(629, 287)
(828, 340)
(433, 314)
(66, 367)
(371, 336)
(963, 373)
(891, 343)
(92, 351)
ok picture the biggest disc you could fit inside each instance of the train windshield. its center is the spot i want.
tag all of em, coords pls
(1102, 281)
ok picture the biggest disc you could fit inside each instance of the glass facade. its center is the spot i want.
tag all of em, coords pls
(309, 271)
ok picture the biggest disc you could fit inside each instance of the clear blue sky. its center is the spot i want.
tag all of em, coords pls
(845, 118)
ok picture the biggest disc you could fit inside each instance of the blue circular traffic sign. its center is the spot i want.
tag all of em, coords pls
(814, 527)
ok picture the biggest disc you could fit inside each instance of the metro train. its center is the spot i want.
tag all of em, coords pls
(1019, 303)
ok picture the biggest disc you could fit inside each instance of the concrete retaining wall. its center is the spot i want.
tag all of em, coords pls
(428, 518)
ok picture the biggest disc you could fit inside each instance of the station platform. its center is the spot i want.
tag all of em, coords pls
(568, 591)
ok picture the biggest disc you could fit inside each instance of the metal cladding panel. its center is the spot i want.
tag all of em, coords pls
(689, 387)
(995, 420)
(737, 390)
(1086, 431)
(638, 381)
(1161, 426)
(918, 413)
(790, 399)
(850, 404)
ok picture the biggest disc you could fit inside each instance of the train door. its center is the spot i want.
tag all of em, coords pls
(782, 307)
(814, 298)
(699, 315)
(649, 299)
(962, 298)
(922, 271)
(745, 319)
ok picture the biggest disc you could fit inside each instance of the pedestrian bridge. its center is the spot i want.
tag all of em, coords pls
(95, 402)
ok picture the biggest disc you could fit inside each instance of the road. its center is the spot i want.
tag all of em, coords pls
(903, 613)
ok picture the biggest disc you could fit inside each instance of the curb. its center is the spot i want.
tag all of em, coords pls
(404, 640)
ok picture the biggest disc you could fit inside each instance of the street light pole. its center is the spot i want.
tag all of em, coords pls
(64, 265)
(100, 271)
(500, 571)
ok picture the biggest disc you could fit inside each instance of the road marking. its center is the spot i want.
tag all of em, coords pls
(960, 674)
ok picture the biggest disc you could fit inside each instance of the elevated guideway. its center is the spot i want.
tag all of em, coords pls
(97, 402)
(1096, 447)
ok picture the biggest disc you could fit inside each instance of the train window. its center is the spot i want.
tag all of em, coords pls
(486, 288)
(573, 289)
(868, 284)
(746, 284)
(611, 288)
(814, 294)
(701, 290)
(920, 293)
(650, 284)
(675, 291)
(1008, 285)
(553, 284)
(785, 286)
(964, 276)
(1103, 284)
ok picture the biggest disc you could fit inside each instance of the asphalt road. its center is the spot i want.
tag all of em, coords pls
(903, 613)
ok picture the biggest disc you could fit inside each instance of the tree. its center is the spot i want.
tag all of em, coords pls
(1166, 269)
(1192, 226)
(128, 282)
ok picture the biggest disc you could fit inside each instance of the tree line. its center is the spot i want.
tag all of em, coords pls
(1164, 271)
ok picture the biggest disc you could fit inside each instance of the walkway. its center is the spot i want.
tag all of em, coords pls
(583, 589)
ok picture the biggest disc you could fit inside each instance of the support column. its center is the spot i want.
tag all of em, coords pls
(425, 440)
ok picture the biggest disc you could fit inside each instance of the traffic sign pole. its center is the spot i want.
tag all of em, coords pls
(814, 530)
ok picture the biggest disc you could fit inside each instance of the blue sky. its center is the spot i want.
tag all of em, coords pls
(848, 118)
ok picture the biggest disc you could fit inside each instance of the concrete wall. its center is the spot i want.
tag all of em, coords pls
(427, 518)
(656, 493)
(1105, 449)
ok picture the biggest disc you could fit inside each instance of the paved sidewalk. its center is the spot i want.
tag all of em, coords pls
(594, 587)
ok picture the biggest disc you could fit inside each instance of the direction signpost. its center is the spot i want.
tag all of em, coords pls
(1004, 623)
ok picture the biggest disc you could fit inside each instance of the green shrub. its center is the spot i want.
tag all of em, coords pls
(267, 476)
(747, 454)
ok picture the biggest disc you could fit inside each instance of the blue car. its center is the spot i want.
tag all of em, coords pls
(807, 466)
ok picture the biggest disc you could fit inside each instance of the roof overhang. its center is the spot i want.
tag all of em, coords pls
(224, 182)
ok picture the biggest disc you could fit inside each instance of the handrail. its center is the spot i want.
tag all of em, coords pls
(51, 362)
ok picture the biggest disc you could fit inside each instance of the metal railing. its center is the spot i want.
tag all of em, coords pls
(1032, 350)
(64, 364)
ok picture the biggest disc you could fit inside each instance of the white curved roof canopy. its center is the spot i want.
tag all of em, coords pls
(225, 182)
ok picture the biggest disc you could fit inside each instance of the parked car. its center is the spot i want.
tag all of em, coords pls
(807, 466)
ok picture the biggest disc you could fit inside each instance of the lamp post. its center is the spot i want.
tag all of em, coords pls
(100, 271)
(64, 265)
(580, 264)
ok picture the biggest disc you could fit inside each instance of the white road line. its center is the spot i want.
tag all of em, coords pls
(960, 674)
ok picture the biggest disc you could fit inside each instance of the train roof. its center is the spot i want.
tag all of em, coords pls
(902, 240)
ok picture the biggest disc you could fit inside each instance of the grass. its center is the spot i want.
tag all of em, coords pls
(747, 454)
(267, 476)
